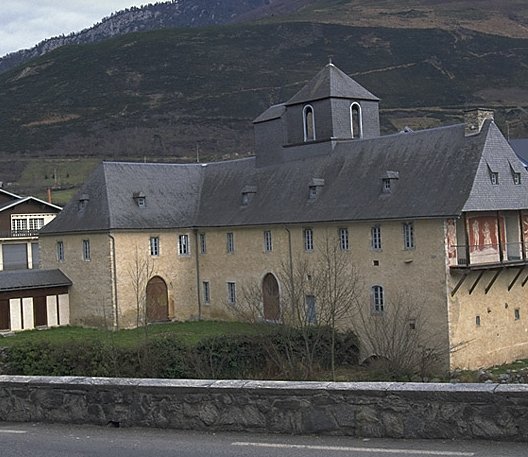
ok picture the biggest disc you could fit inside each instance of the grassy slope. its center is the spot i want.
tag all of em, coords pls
(169, 93)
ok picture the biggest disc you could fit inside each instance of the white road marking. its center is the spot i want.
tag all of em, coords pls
(356, 449)
(12, 431)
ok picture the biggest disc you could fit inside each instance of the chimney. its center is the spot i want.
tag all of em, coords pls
(474, 119)
(49, 195)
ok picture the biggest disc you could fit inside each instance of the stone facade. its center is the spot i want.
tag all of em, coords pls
(376, 410)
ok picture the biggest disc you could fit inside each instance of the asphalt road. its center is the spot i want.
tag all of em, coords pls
(40, 440)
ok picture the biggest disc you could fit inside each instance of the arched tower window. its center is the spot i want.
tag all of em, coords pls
(309, 123)
(356, 121)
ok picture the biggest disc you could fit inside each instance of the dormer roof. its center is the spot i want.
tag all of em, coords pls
(331, 82)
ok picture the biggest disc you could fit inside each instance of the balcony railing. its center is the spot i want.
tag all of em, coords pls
(488, 254)
(18, 233)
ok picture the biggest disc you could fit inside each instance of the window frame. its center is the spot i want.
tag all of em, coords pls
(308, 239)
(306, 109)
(59, 250)
(377, 299)
(408, 236)
(206, 292)
(86, 251)
(359, 120)
(203, 243)
(494, 178)
(154, 246)
(268, 241)
(517, 178)
(230, 242)
(184, 247)
(343, 239)
(231, 292)
(375, 237)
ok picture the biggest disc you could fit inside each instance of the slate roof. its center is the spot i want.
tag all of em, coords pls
(331, 82)
(520, 146)
(441, 173)
(32, 279)
(172, 193)
(273, 112)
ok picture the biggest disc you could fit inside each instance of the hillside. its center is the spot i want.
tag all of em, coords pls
(162, 15)
(177, 93)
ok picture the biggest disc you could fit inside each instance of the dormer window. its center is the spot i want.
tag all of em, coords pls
(516, 178)
(494, 177)
(356, 121)
(248, 192)
(140, 199)
(83, 201)
(309, 123)
(388, 181)
(315, 188)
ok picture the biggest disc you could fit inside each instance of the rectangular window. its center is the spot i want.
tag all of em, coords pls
(386, 185)
(86, 250)
(19, 225)
(494, 177)
(343, 239)
(36, 223)
(477, 321)
(408, 235)
(517, 313)
(517, 178)
(183, 245)
(268, 244)
(378, 301)
(311, 311)
(60, 251)
(230, 242)
(308, 239)
(231, 293)
(154, 246)
(206, 292)
(203, 244)
(375, 237)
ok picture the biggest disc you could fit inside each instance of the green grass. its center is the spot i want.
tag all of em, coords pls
(189, 332)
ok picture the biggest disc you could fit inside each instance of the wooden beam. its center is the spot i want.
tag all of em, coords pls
(515, 279)
(459, 283)
(472, 288)
(490, 284)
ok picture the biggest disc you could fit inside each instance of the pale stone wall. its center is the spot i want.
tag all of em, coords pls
(91, 293)
(500, 338)
(381, 410)
(178, 272)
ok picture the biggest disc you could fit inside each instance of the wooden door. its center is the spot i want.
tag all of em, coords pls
(5, 319)
(40, 311)
(271, 298)
(157, 300)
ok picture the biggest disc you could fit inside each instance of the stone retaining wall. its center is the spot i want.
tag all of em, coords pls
(396, 410)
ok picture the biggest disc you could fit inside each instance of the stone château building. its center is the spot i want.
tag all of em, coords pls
(441, 214)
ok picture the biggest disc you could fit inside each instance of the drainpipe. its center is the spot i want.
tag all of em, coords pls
(114, 282)
(292, 281)
(197, 255)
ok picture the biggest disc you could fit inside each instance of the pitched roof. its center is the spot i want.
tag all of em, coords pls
(32, 279)
(21, 200)
(273, 112)
(9, 194)
(331, 82)
(171, 193)
(520, 146)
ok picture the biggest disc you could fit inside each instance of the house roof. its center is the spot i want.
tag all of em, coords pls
(441, 172)
(171, 193)
(21, 200)
(273, 112)
(520, 146)
(331, 82)
(9, 194)
(32, 279)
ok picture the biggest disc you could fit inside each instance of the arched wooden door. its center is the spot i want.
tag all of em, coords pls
(157, 300)
(271, 298)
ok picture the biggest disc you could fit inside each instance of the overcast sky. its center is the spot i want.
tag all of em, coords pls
(24, 23)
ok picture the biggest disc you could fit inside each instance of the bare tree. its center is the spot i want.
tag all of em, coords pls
(140, 271)
(401, 339)
(319, 291)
